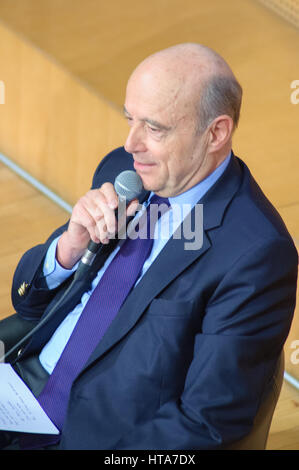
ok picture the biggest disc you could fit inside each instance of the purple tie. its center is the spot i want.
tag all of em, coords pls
(101, 308)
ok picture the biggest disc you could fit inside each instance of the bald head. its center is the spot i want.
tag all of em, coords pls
(190, 59)
(195, 73)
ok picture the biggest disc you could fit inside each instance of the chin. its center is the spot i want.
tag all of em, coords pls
(150, 187)
(149, 184)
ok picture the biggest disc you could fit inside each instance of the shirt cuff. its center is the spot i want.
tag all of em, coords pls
(54, 273)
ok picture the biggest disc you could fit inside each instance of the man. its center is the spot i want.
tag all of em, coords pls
(189, 355)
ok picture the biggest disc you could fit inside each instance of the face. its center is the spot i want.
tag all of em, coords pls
(169, 154)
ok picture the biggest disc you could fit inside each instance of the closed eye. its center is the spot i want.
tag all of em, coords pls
(154, 126)
(154, 129)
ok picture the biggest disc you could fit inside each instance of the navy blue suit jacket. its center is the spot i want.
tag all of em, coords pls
(189, 357)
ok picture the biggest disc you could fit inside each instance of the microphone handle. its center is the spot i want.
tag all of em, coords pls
(87, 259)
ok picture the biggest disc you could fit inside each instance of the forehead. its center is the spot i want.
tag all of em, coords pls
(157, 95)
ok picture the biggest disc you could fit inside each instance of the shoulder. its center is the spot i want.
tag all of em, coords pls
(249, 221)
(251, 213)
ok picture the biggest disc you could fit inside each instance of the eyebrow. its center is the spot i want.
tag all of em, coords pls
(149, 121)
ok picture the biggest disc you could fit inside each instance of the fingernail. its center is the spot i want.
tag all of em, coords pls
(111, 230)
(113, 204)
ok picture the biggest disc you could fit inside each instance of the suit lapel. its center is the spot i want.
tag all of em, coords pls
(172, 261)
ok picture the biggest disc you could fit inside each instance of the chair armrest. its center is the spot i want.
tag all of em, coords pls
(12, 329)
(258, 436)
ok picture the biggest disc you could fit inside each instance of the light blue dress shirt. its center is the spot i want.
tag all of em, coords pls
(164, 229)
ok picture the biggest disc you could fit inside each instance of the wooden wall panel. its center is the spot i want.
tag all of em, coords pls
(52, 125)
(287, 9)
(27, 218)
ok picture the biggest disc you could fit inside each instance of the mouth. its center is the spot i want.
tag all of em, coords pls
(143, 167)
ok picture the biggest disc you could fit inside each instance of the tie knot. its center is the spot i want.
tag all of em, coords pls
(159, 200)
(157, 207)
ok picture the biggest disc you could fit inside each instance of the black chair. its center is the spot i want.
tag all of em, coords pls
(258, 436)
(12, 330)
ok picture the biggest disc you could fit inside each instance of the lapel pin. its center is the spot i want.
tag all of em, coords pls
(22, 289)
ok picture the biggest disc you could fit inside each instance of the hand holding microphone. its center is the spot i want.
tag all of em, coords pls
(93, 220)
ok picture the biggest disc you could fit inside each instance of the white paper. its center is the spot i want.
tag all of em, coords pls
(19, 409)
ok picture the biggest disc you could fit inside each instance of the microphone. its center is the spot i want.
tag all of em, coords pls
(128, 186)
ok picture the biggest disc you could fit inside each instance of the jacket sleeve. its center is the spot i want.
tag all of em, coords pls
(29, 297)
(246, 322)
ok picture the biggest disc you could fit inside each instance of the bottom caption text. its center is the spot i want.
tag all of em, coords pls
(150, 459)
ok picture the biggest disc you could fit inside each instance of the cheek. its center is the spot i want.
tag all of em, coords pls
(170, 159)
(176, 165)
(160, 154)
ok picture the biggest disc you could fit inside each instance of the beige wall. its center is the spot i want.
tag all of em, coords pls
(51, 124)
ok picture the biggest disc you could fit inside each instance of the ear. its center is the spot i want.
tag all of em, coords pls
(220, 132)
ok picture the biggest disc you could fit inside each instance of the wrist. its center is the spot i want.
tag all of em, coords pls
(67, 255)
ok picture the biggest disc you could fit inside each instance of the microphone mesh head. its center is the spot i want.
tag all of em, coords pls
(128, 185)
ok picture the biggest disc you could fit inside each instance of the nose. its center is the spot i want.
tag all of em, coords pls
(136, 140)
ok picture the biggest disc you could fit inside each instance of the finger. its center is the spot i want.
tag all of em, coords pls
(101, 231)
(93, 202)
(109, 219)
(108, 206)
(132, 207)
(107, 189)
(96, 204)
(83, 218)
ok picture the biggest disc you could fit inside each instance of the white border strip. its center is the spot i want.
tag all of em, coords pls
(34, 182)
(291, 380)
